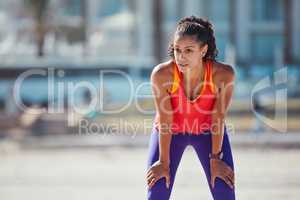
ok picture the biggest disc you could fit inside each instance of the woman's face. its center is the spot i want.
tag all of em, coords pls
(188, 52)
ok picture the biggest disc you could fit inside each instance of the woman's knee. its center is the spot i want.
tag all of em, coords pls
(222, 191)
(159, 191)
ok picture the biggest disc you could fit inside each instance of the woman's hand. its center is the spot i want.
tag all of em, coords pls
(157, 171)
(219, 168)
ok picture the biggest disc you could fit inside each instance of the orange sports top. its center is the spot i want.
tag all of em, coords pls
(191, 116)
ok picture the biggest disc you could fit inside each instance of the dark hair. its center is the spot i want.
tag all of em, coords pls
(203, 32)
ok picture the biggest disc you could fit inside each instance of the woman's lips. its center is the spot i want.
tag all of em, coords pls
(183, 65)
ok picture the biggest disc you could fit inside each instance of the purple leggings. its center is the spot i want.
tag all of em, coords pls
(202, 145)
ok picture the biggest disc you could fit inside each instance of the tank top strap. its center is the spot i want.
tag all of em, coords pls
(209, 77)
(176, 79)
(206, 72)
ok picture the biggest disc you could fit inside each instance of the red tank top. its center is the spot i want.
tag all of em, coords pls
(192, 116)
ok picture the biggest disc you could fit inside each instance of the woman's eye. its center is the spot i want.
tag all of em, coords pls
(188, 50)
(177, 50)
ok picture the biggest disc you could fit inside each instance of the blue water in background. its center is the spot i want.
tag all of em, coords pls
(117, 88)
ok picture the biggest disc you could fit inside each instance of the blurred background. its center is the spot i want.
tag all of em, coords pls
(60, 56)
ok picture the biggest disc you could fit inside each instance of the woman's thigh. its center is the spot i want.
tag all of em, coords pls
(203, 145)
(178, 144)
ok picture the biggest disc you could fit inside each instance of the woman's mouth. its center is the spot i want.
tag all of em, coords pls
(183, 65)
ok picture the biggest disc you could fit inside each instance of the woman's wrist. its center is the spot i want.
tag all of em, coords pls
(164, 162)
(218, 155)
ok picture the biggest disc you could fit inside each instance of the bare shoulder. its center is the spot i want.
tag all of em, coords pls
(162, 72)
(223, 71)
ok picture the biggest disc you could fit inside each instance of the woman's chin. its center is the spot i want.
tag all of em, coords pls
(183, 69)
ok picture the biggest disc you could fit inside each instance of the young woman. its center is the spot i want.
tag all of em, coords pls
(192, 92)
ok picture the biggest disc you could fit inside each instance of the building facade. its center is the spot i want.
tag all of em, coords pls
(255, 31)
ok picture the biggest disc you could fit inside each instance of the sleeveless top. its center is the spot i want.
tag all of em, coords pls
(191, 116)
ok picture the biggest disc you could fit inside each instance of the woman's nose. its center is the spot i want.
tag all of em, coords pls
(181, 57)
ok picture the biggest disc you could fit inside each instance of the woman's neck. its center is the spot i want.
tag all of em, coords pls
(193, 75)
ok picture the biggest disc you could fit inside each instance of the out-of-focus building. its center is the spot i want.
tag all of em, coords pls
(255, 36)
(255, 28)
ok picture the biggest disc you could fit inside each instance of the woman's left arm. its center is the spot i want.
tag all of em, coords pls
(224, 83)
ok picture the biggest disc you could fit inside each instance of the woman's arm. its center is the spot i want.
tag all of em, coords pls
(224, 81)
(224, 87)
(161, 84)
(160, 87)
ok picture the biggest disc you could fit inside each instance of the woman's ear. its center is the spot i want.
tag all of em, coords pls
(204, 49)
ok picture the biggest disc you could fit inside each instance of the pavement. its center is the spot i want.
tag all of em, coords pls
(119, 173)
(111, 167)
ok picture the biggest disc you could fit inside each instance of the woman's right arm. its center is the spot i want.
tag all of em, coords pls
(160, 86)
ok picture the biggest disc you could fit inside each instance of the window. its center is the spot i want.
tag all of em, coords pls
(267, 10)
(73, 8)
(264, 45)
(221, 41)
(171, 10)
(110, 7)
(219, 11)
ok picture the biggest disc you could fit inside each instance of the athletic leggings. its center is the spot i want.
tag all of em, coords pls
(202, 145)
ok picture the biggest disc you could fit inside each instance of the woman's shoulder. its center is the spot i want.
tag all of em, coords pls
(223, 71)
(163, 71)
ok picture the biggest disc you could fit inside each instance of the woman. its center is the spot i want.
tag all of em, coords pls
(192, 92)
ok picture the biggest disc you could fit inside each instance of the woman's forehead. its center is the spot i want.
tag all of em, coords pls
(185, 41)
